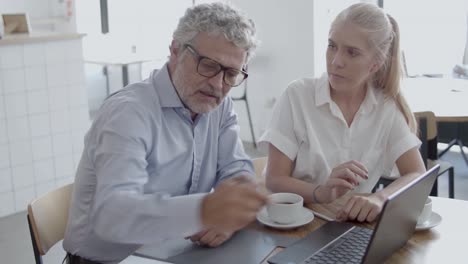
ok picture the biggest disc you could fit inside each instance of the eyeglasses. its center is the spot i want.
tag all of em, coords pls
(209, 68)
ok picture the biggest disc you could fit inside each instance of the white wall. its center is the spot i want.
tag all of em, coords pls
(140, 26)
(43, 118)
(43, 108)
(437, 35)
(285, 54)
(138, 30)
(44, 15)
(13, 6)
(465, 58)
(294, 38)
(288, 32)
(324, 13)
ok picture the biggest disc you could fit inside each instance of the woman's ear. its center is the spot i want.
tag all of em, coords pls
(375, 66)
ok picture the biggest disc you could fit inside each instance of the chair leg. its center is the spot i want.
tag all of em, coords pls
(37, 255)
(453, 142)
(451, 183)
(250, 122)
(450, 145)
(460, 144)
(434, 191)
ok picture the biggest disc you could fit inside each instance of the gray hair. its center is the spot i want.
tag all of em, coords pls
(217, 18)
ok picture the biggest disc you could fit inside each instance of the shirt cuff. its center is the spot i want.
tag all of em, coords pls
(187, 210)
(246, 173)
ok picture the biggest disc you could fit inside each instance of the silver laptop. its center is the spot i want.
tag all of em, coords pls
(343, 242)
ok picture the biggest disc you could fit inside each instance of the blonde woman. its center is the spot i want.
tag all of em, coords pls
(341, 132)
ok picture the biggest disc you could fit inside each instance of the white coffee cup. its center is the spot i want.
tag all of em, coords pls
(426, 212)
(285, 208)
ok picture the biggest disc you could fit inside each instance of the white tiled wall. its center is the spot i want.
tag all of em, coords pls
(43, 118)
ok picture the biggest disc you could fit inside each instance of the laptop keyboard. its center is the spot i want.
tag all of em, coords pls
(349, 248)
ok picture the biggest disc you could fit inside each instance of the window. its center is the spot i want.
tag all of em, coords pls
(433, 33)
(140, 26)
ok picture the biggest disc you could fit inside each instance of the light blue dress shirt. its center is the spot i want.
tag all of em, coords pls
(145, 169)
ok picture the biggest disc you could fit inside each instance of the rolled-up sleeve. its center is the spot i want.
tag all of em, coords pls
(280, 130)
(232, 160)
(122, 211)
(400, 139)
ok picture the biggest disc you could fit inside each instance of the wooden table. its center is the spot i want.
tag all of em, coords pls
(446, 97)
(445, 243)
(123, 63)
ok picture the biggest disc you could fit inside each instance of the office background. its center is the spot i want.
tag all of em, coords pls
(293, 38)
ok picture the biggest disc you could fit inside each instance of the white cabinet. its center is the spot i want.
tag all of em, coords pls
(43, 115)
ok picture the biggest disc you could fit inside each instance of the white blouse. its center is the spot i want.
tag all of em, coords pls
(309, 128)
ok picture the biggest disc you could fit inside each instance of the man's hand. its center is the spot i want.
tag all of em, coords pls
(232, 205)
(361, 208)
(210, 237)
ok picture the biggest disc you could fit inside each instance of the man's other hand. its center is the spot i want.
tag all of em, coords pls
(210, 237)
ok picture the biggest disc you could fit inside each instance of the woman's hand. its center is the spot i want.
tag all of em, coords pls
(343, 178)
(361, 208)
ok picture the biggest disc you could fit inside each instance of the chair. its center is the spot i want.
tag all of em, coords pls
(47, 220)
(454, 133)
(243, 97)
(428, 135)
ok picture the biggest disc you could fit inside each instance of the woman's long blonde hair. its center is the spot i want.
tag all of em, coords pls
(384, 37)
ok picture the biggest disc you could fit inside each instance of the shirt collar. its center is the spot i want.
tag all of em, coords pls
(162, 82)
(370, 101)
(322, 92)
(322, 95)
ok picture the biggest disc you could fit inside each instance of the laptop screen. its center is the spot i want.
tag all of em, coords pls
(399, 216)
(395, 225)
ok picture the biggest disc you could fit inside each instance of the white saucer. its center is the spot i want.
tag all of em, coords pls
(434, 220)
(305, 218)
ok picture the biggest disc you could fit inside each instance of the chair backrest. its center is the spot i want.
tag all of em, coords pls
(259, 166)
(428, 134)
(47, 216)
(431, 123)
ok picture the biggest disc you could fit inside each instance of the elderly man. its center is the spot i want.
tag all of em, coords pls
(157, 148)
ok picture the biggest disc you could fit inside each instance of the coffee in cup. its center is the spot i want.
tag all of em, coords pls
(285, 208)
(426, 212)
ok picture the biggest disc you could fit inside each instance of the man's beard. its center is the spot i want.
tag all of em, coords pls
(184, 91)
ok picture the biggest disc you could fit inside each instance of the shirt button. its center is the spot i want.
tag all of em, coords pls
(347, 152)
(346, 143)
